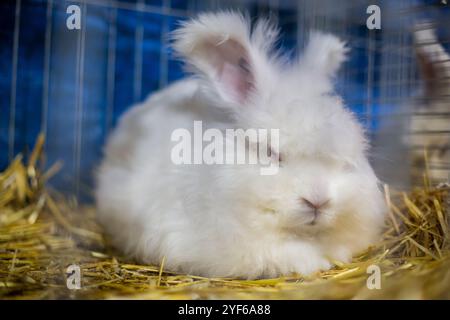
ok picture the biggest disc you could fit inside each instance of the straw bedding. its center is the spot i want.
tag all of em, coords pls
(42, 233)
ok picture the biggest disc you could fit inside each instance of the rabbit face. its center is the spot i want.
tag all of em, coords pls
(324, 180)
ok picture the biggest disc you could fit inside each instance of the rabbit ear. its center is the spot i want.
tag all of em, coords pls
(218, 46)
(324, 54)
(434, 62)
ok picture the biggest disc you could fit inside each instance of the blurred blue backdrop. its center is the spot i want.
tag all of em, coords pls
(73, 85)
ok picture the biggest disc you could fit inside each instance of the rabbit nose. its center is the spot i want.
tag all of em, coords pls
(314, 204)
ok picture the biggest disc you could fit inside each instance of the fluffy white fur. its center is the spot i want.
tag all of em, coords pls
(228, 220)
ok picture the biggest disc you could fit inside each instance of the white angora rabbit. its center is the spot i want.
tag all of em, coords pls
(226, 220)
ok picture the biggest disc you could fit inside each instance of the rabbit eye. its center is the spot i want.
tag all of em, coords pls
(244, 65)
(271, 153)
(280, 158)
(274, 154)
